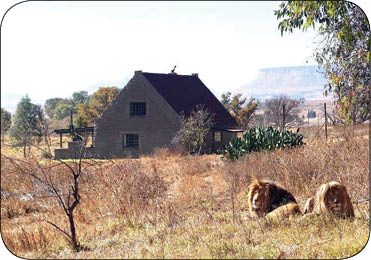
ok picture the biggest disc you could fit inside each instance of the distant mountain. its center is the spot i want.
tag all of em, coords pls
(296, 82)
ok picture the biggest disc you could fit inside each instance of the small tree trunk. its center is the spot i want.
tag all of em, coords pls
(73, 231)
(47, 138)
(199, 150)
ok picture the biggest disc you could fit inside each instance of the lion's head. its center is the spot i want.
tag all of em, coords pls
(265, 196)
(258, 197)
(333, 198)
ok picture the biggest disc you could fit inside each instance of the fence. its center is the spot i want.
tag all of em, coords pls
(318, 125)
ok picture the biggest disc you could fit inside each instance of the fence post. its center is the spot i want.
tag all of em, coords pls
(324, 104)
(308, 123)
(283, 118)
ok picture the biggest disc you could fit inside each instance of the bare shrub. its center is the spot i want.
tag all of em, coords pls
(193, 129)
(62, 185)
(168, 151)
(27, 240)
(125, 187)
(236, 177)
(192, 165)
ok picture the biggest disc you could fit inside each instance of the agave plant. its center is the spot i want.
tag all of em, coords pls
(257, 139)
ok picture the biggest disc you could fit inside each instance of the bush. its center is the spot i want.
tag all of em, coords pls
(257, 139)
(46, 155)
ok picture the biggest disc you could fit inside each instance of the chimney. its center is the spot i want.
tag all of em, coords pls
(195, 74)
(137, 72)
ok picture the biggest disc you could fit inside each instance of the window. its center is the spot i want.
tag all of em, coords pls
(131, 140)
(138, 108)
(217, 136)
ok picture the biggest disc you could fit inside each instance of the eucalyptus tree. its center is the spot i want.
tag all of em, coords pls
(342, 49)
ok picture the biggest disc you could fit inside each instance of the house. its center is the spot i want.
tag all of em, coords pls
(145, 115)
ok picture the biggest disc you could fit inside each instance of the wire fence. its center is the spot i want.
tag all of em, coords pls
(317, 125)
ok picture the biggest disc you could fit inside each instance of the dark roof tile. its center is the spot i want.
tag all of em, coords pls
(184, 93)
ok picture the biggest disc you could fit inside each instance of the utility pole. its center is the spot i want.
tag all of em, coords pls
(324, 104)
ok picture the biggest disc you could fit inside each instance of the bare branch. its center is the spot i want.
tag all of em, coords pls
(59, 229)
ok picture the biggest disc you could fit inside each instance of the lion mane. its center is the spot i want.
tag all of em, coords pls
(309, 206)
(331, 198)
(266, 198)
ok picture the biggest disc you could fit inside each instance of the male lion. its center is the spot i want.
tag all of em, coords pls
(331, 198)
(266, 198)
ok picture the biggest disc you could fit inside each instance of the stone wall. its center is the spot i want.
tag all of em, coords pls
(73, 151)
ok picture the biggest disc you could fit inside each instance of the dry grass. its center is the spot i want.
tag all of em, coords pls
(171, 205)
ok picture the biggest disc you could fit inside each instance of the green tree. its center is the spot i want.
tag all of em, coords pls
(80, 97)
(50, 105)
(27, 124)
(5, 122)
(63, 109)
(59, 108)
(194, 129)
(233, 104)
(86, 113)
(246, 114)
(226, 100)
(243, 112)
(343, 50)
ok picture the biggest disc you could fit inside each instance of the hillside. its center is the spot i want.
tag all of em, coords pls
(296, 81)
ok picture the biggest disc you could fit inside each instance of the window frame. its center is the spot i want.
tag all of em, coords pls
(134, 144)
(220, 134)
(137, 109)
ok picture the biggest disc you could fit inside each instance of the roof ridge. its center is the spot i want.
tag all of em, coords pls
(168, 74)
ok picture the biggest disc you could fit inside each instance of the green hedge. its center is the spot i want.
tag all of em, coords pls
(257, 139)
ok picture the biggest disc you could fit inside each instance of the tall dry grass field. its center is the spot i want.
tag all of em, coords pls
(170, 205)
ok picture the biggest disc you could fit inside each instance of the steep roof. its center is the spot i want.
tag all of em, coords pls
(184, 93)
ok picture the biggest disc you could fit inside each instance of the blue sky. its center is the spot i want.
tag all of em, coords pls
(52, 49)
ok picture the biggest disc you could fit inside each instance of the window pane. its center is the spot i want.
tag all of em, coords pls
(217, 136)
(137, 108)
(131, 140)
